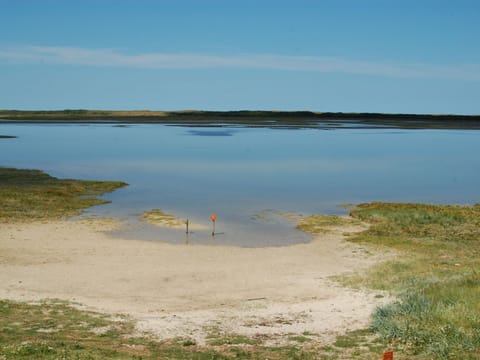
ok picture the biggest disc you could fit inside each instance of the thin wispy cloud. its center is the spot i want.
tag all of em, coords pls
(325, 64)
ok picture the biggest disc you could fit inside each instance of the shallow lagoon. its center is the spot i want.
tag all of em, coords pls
(247, 175)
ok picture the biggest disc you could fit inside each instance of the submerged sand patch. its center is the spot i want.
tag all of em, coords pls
(185, 290)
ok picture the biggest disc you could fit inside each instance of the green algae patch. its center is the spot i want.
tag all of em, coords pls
(160, 218)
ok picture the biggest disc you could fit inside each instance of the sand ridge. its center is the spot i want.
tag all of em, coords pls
(185, 290)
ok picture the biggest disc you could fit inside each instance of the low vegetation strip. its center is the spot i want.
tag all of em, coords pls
(288, 119)
(436, 276)
(51, 330)
(55, 330)
(34, 195)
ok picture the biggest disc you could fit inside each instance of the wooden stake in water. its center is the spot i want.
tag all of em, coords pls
(186, 223)
(213, 217)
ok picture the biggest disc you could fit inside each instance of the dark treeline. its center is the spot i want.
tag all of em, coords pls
(278, 119)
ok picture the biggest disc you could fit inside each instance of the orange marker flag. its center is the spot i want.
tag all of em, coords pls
(213, 217)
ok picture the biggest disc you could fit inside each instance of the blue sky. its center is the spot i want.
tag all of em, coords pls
(404, 56)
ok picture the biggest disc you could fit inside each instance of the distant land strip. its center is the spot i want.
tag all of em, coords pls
(247, 118)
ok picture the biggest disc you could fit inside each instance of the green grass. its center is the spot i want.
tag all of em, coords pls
(35, 195)
(436, 276)
(55, 330)
(299, 338)
(434, 272)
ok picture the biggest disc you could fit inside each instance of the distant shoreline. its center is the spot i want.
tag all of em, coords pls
(272, 119)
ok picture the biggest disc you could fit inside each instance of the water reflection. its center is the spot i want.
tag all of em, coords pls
(213, 132)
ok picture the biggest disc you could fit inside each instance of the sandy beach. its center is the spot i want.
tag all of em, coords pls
(186, 290)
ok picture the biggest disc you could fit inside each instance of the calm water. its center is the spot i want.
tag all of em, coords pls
(241, 173)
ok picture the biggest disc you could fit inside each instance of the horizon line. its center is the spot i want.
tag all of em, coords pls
(314, 112)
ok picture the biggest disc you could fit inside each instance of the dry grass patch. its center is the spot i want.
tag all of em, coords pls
(321, 224)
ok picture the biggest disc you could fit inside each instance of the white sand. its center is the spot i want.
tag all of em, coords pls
(183, 290)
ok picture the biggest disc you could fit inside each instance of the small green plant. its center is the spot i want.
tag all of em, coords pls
(299, 339)
(189, 342)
